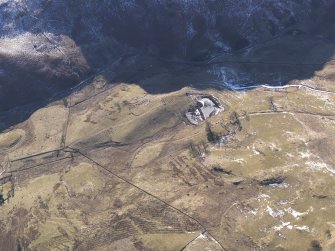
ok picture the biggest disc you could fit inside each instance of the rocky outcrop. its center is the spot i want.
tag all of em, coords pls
(207, 106)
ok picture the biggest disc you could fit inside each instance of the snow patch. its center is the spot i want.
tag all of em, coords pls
(290, 155)
(281, 185)
(290, 227)
(274, 212)
(255, 151)
(262, 197)
(305, 155)
(274, 147)
(240, 161)
(295, 213)
(281, 226)
(320, 166)
(302, 228)
(254, 211)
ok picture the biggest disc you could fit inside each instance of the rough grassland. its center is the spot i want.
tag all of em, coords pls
(135, 175)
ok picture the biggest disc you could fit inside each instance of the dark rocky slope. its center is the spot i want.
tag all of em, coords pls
(47, 46)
